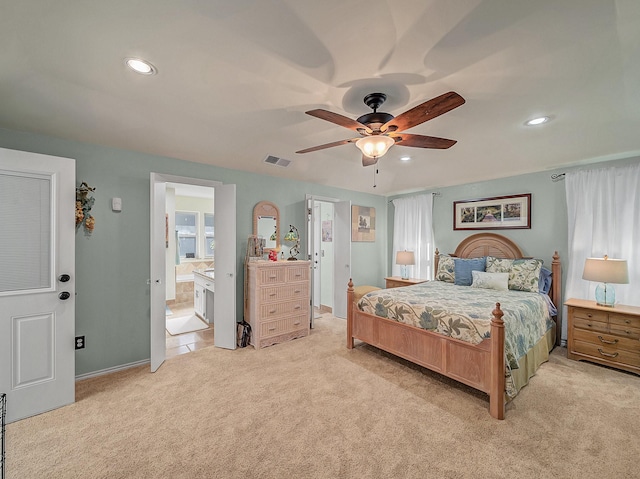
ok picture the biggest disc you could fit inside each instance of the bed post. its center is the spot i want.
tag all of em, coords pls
(556, 285)
(496, 390)
(436, 260)
(350, 314)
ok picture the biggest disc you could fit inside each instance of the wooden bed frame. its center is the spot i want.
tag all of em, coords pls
(480, 366)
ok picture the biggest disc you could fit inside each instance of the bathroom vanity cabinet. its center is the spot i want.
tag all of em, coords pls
(203, 289)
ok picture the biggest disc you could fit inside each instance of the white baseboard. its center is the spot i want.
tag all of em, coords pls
(122, 367)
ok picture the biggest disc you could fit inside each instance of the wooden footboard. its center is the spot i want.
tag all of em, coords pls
(480, 366)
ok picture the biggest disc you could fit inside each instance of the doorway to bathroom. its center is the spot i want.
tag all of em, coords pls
(199, 233)
(190, 268)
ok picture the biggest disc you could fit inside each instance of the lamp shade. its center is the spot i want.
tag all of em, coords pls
(606, 270)
(375, 146)
(405, 257)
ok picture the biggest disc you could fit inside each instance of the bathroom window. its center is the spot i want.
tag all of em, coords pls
(187, 227)
(208, 235)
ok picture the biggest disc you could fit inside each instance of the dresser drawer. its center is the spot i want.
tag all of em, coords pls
(590, 325)
(590, 315)
(607, 340)
(275, 310)
(624, 320)
(608, 353)
(283, 292)
(625, 331)
(392, 283)
(284, 325)
(300, 273)
(271, 275)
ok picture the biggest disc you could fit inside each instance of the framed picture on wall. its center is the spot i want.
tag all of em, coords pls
(500, 212)
(327, 231)
(363, 223)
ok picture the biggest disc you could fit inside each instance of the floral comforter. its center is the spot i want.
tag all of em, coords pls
(464, 313)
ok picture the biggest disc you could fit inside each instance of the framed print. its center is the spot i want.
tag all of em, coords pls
(363, 223)
(501, 212)
(327, 231)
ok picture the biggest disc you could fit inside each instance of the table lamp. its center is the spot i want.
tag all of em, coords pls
(293, 238)
(606, 271)
(405, 258)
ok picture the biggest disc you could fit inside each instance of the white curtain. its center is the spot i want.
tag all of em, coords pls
(413, 231)
(603, 207)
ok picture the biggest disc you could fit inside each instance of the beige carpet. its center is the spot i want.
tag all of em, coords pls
(310, 408)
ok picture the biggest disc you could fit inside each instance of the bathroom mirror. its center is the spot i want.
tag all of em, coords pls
(266, 223)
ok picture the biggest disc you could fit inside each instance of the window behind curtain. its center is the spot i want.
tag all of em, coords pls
(186, 224)
(413, 231)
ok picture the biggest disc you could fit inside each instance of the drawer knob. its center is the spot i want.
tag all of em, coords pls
(272, 329)
(297, 307)
(296, 291)
(271, 311)
(273, 277)
(296, 323)
(272, 294)
(607, 355)
(606, 341)
(589, 315)
(627, 321)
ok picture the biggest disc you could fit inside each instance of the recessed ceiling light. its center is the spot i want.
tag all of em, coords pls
(141, 66)
(405, 158)
(537, 121)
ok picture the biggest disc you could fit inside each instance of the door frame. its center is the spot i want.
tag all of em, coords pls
(157, 273)
(342, 235)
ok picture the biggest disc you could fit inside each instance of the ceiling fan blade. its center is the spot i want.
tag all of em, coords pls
(423, 112)
(367, 161)
(421, 141)
(328, 145)
(339, 120)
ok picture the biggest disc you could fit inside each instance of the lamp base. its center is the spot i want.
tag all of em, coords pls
(605, 295)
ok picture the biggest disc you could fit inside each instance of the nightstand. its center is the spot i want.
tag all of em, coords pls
(398, 282)
(604, 335)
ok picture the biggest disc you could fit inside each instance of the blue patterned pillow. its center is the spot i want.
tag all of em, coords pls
(464, 267)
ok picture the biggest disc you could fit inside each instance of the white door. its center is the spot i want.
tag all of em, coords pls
(224, 301)
(158, 271)
(37, 303)
(342, 256)
(313, 254)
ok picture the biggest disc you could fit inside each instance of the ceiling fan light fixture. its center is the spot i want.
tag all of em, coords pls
(375, 146)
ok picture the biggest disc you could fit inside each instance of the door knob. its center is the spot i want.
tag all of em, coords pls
(64, 295)
(63, 278)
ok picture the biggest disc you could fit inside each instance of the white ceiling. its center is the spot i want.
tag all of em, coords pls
(236, 76)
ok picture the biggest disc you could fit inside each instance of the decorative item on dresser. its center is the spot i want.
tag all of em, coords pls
(604, 335)
(398, 282)
(292, 238)
(277, 301)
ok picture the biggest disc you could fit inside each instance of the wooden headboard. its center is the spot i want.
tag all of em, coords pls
(492, 244)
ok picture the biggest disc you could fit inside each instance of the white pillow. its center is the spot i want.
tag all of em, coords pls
(499, 281)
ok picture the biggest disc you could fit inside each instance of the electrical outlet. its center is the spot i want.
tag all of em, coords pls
(80, 342)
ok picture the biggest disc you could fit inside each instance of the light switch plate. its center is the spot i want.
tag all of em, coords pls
(116, 204)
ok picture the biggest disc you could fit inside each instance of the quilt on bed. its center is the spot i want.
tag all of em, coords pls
(464, 313)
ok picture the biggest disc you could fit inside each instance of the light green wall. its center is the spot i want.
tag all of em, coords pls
(112, 266)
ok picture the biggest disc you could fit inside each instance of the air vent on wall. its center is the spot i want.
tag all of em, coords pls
(274, 160)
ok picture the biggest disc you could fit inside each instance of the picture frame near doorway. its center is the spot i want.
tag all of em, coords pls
(363, 223)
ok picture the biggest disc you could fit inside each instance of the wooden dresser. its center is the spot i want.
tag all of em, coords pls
(398, 282)
(604, 335)
(278, 301)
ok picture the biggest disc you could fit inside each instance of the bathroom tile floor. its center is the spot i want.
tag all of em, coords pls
(187, 342)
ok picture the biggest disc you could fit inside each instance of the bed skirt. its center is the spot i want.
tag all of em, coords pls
(530, 362)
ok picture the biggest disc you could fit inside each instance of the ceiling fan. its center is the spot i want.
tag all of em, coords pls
(379, 131)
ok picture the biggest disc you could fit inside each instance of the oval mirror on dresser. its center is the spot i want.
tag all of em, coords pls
(266, 223)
